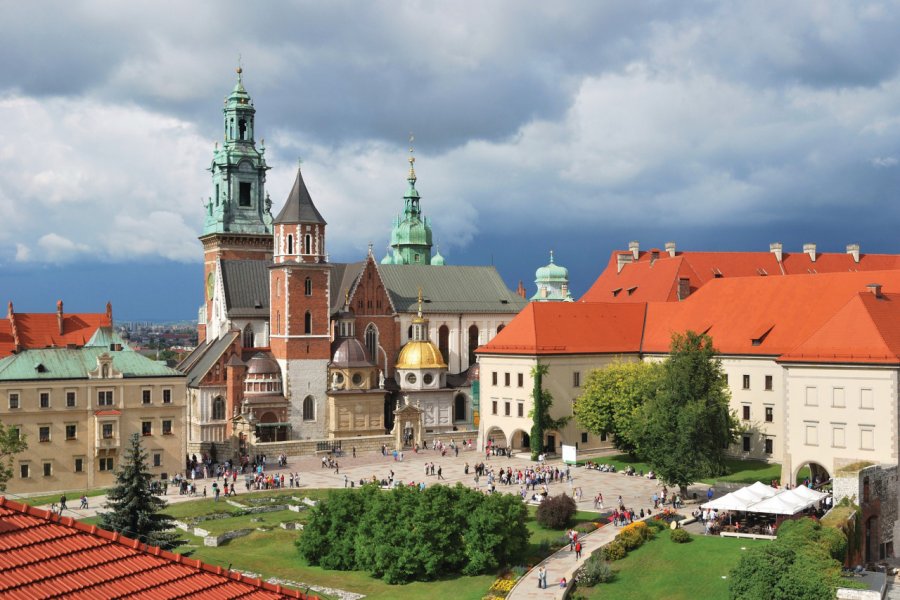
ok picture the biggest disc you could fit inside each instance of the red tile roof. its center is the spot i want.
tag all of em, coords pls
(828, 317)
(654, 276)
(544, 328)
(41, 330)
(44, 555)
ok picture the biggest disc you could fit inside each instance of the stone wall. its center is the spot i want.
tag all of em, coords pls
(881, 501)
(371, 443)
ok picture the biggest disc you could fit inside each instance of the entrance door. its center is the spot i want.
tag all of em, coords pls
(551, 443)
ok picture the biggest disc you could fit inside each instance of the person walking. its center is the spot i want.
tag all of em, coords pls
(439, 471)
(577, 550)
(62, 503)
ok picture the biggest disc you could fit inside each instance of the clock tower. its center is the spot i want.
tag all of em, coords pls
(238, 218)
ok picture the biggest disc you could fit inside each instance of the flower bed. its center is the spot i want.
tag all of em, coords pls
(501, 587)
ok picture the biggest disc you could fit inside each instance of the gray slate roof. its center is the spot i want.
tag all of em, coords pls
(449, 289)
(196, 367)
(343, 276)
(299, 207)
(246, 287)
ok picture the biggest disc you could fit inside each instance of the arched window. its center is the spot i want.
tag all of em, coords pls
(248, 337)
(309, 409)
(473, 343)
(290, 249)
(307, 322)
(372, 341)
(218, 409)
(308, 244)
(444, 342)
(242, 129)
(459, 407)
(307, 286)
(409, 333)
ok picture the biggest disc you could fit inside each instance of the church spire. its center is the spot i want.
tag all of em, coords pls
(411, 234)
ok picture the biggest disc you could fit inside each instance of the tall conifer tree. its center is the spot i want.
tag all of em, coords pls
(134, 511)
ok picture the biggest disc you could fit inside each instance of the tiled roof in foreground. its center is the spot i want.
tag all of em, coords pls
(43, 555)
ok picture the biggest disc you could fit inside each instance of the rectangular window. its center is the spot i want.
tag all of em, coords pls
(24, 471)
(838, 438)
(146, 428)
(521, 378)
(106, 464)
(167, 427)
(70, 399)
(167, 396)
(812, 396)
(506, 379)
(14, 432)
(746, 443)
(746, 412)
(584, 437)
(506, 408)
(71, 431)
(769, 445)
(79, 465)
(603, 437)
(494, 378)
(105, 398)
(768, 383)
(44, 433)
(837, 398)
(44, 398)
(494, 407)
(13, 400)
(145, 397)
(157, 459)
(770, 414)
(866, 399)
(521, 409)
(107, 431)
(576, 379)
(866, 437)
(746, 382)
(244, 191)
(48, 469)
(812, 435)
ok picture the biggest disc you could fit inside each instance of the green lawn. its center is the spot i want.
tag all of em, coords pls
(551, 537)
(272, 553)
(663, 569)
(739, 471)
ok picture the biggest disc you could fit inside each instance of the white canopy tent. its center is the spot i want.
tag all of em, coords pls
(743, 498)
(761, 498)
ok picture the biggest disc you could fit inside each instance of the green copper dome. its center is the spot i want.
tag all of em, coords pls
(437, 260)
(552, 283)
(411, 233)
(551, 273)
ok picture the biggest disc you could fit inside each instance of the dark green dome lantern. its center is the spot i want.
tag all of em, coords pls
(411, 233)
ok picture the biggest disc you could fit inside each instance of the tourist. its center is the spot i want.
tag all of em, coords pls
(542, 578)
(563, 584)
(84, 501)
(62, 503)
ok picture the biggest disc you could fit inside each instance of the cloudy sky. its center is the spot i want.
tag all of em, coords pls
(576, 126)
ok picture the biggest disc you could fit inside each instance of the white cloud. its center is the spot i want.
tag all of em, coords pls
(885, 161)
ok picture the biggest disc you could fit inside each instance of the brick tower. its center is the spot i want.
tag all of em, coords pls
(299, 297)
(238, 224)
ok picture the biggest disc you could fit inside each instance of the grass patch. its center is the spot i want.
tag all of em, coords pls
(747, 471)
(71, 497)
(272, 553)
(661, 569)
(261, 520)
(543, 541)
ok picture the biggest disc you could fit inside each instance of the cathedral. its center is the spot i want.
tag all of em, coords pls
(294, 347)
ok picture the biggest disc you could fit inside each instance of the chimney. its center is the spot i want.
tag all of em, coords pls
(853, 250)
(564, 290)
(59, 315)
(9, 311)
(775, 248)
(670, 248)
(684, 288)
(811, 250)
(654, 254)
(520, 291)
(622, 259)
(875, 288)
(635, 249)
(109, 313)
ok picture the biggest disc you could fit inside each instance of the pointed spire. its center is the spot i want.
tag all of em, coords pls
(551, 257)
(299, 207)
(420, 302)
(412, 161)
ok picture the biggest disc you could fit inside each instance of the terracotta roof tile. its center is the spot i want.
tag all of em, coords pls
(41, 330)
(43, 555)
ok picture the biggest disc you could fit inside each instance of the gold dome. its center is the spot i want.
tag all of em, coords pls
(420, 355)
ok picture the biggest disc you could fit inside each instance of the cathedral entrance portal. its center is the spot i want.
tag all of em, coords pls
(407, 427)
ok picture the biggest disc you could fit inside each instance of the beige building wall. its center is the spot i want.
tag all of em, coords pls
(505, 407)
(67, 448)
(757, 398)
(838, 415)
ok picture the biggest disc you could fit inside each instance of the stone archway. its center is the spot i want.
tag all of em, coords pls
(520, 441)
(496, 437)
(407, 430)
(818, 474)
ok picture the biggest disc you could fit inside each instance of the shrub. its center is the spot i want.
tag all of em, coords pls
(518, 571)
(680, 536)
(630, 538)
(556, 511)
(595, 570)
(656, 525)
(614, 550)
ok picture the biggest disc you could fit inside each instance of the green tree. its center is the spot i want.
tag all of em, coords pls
(612, 397)
(541, 421)
(135, 511)
(687, 426)
(496, 534)
(11, 443)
